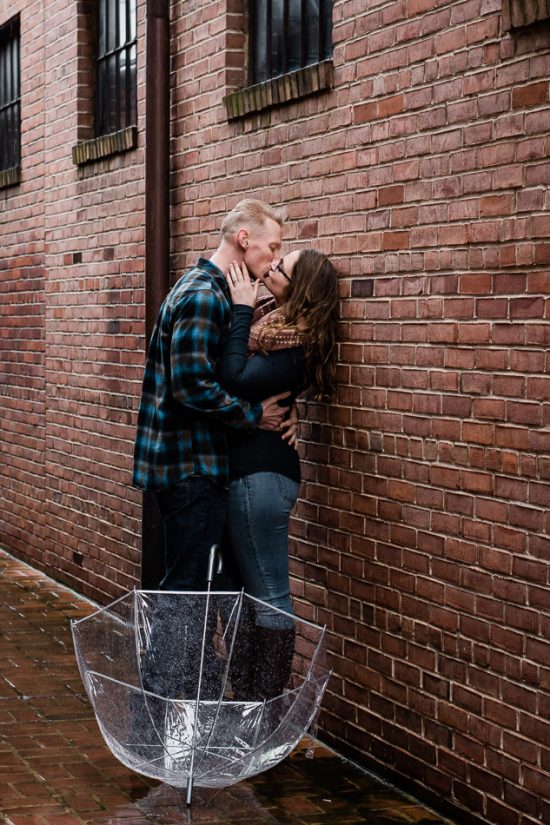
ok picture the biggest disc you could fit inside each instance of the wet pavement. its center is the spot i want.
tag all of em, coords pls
(56, 770)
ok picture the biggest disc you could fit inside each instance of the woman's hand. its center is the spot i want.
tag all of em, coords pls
(289, 427)
(242, 289)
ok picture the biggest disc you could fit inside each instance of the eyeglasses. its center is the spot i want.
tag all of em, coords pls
(279, 267)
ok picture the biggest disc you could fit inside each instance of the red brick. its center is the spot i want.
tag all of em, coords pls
(395, 240)
(533, 94)
(537, 174)
(496, 205)
(477, 284)
(391, 105)
(390, 195)
(527, 307)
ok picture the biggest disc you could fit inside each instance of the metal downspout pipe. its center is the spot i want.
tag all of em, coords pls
(157, 229)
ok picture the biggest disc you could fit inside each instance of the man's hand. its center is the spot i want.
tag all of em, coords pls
(289, 427)
(241, 288)
(273, 414)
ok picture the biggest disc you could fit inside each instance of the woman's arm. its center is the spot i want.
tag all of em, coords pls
(234, 356)
(277, 371)
(233, 361)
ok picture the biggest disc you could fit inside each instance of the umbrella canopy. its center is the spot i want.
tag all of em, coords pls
(204, 688)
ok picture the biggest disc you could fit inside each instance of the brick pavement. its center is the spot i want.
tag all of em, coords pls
(56, 770)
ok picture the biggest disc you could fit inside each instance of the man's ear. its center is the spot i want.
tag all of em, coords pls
(242, 238)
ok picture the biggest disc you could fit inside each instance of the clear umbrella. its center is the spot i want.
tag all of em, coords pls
(200, 689)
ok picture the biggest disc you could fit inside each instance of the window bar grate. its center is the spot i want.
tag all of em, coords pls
(285, 55)
(116, 66)
(304, 23)
(285, 35)
(269, 38)
(10, 96)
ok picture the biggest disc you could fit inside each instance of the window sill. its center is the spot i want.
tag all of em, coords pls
(102, 147)
(517, 13)
(276, 90)
(10, 177)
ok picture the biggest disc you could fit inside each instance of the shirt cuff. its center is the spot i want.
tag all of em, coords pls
(256, 411)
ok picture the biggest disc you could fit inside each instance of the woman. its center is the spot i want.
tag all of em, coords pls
(287, 344)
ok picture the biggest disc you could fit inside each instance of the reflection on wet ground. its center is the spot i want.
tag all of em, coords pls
(56, 770)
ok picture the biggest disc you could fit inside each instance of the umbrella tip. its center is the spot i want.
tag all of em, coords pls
(189, 791)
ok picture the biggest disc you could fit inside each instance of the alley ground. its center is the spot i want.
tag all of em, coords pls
(56, 770)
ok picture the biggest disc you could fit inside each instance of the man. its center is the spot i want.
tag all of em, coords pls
(180, 448)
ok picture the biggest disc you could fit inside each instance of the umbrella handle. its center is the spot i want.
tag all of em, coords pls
(214, 556)
(212, 570)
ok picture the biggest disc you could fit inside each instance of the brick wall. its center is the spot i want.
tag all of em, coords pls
(22, 328)
(72, 355)
(421, 537)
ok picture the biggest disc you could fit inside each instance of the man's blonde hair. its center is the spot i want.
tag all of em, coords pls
(249, 212)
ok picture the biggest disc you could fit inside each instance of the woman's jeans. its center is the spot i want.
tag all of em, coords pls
(257, 524)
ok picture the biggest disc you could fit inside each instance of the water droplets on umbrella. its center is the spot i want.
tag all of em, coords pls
(200, 688)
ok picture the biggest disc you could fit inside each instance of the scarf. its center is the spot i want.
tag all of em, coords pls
(269, 331)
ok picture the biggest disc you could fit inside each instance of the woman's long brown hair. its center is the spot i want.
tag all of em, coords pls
(312, 302)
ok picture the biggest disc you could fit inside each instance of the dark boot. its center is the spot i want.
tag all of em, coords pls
(241, 670)
(273, 661)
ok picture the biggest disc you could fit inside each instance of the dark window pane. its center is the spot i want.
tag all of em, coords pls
(313, 50)
(120, 58)
(10, 125)
(132, 81)
(116, 68)
(3, 77)
(16, 64)
(6, 74)
(107, 98)
(3, 135)
(13, 71)
(327, 39)
(17, 138)
(112, 93)
(101, 97)
(277, 34)
(260, 25)
(9, 72)
(112, 24)
(11, 137)
(102, 27)
(122, 95)
(286, 35)
(122, 22)
(294, 35)
(132, 19)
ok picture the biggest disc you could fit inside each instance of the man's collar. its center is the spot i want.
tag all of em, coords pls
(212, 269)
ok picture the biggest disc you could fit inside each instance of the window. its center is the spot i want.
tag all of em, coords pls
(116, 66)
(10, 96)
(286, 35)
(517, 13)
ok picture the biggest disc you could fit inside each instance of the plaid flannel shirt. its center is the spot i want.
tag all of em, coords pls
(183, 409)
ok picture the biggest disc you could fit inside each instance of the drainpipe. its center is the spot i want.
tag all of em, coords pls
(157, 231)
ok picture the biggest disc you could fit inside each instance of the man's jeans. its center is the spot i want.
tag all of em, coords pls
(193, 512)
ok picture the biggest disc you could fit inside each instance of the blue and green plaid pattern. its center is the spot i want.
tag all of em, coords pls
(184, 409)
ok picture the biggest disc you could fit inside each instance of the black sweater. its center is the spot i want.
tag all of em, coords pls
(255, 378)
